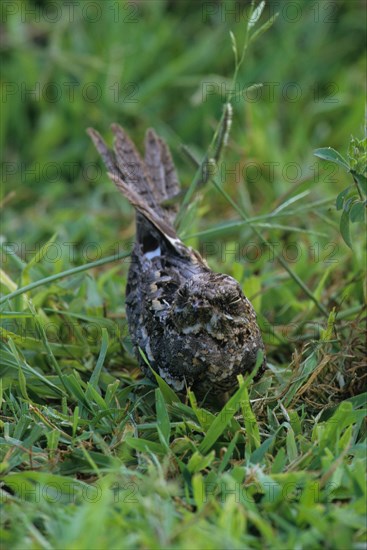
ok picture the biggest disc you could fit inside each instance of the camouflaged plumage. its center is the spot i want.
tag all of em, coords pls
(196, 327)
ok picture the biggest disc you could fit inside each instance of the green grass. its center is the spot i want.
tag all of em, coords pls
(92, 454)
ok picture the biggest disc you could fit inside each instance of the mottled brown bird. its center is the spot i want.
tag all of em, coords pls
(196, 327)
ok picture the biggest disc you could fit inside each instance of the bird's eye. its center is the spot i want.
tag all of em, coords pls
(234, 305)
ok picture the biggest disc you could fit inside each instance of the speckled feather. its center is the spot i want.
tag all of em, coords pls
(196, 327)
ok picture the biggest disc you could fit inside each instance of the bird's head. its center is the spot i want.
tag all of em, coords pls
(214, 304)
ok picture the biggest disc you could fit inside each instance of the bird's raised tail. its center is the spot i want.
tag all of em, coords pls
(148, 183)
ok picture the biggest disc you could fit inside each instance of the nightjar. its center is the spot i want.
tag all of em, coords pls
(196, 327)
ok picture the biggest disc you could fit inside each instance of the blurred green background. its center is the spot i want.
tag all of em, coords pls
(169, 65)
(74, 405)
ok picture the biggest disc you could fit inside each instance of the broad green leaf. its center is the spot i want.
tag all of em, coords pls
(328, 153)
(344, 228)
(357, 212)
(341, 197)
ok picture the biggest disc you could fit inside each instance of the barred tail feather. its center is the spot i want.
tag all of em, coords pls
(144, 184)
(159, 163)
